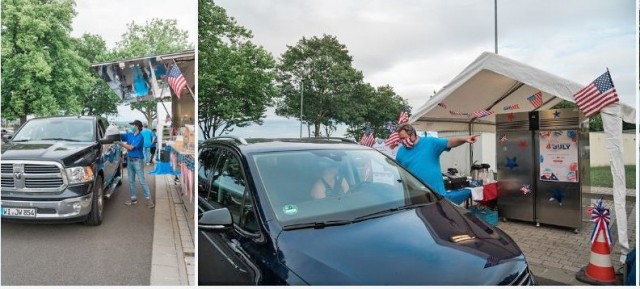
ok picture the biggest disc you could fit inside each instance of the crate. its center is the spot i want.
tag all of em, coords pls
(486, 214)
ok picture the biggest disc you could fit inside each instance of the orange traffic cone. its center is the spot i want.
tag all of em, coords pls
(600, 270)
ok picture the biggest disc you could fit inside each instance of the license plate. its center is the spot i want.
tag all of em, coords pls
(19, 212)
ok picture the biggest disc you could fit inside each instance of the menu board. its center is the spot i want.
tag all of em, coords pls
(559, 156)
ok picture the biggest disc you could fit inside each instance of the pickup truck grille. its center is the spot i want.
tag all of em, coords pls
(33, 176)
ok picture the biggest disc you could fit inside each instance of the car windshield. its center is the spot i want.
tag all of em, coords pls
(319, 186)
(67, 129)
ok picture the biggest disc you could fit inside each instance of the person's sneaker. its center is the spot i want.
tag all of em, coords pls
(150, 204)
(131, 202)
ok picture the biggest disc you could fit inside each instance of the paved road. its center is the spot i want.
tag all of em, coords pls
(118, 252)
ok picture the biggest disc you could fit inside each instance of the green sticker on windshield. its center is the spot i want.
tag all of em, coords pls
(290, 209)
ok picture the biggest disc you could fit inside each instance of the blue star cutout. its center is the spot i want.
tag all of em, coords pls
(557, 195)
(511, 163)
(556, 114)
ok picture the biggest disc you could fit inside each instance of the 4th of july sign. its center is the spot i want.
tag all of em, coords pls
(559, 156)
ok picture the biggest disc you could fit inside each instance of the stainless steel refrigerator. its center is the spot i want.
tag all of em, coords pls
(543, 166)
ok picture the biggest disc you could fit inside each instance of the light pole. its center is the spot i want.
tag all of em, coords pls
(301, 102)
(495, 6)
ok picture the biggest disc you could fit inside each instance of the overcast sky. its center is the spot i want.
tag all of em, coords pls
(418, 46)
(109, 19)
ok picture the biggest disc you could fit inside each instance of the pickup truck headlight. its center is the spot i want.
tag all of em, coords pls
(79, 175)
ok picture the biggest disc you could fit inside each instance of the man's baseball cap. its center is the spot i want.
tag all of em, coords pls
(137, 123)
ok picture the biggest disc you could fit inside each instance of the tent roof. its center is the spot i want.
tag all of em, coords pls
(492, 82)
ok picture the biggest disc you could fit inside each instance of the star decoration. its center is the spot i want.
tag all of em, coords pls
(510, 116)
(511, 163)
(557, 195)
(522, 144)
(556, 114)
(525, 189)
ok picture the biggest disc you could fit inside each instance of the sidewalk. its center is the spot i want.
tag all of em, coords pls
(173, 256)
(557, 253)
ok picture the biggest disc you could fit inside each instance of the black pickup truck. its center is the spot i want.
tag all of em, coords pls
(60, 169)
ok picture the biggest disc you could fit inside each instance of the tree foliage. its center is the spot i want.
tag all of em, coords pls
(42, 73)
(381, 105)
(149, 108)
(155, 37)
(320, 70)
(235, 76)
(100, 100)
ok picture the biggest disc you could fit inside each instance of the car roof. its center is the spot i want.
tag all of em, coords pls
(75, 117)
(260, 145)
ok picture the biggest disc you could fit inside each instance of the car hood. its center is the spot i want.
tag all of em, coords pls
(69, 153)
(411, 247)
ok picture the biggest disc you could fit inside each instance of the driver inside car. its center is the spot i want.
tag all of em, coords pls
(330, 183)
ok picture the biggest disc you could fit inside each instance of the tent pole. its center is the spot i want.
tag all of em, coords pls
(470, 152)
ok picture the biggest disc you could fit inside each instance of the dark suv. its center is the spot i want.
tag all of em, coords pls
(269, 214)
(60, 169)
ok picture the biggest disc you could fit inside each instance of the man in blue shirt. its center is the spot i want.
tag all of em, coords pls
(147, 135)
(134, 144)
(421, 155)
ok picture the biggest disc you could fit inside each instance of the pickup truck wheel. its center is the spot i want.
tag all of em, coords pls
(97, 204)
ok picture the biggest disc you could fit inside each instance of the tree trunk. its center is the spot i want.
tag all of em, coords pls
(316, 133)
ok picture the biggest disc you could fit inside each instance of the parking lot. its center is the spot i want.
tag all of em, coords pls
(118, 252)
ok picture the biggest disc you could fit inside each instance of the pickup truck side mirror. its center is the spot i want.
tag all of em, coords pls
(110, 138)
(217, 219)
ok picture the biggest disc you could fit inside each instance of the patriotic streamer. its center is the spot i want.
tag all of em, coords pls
(453, 112)
(511, 107)
(442, 105)
(600, 216)
(482, 113)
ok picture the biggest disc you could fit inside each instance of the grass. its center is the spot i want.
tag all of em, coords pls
(601, 176)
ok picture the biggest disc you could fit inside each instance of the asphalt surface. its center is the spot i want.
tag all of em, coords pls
(118, 252)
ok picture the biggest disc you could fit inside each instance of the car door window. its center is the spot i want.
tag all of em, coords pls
(207, 161)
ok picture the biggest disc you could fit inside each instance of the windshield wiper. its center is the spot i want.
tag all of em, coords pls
(64, 139)
(316, 225)
(389, 211)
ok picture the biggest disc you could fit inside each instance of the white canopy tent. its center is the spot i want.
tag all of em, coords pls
(492, 82)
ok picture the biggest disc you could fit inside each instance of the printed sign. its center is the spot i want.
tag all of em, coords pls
(559, 156)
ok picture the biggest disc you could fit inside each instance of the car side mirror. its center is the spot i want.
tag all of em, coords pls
(110, 138)
(215, 219)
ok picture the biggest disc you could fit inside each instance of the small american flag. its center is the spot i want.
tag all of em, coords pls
(536, 99)
(503, 138)
(482, 113)
(394, 138)
(367, 138)
(511, 107)
(597, 95)
(176, 80)
(404, 116)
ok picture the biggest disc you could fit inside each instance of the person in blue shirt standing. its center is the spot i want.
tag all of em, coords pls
(147, 135)
(421, 155)
(134, 143)
(154, 143)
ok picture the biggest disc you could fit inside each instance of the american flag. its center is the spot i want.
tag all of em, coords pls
(536, 99)
(393, 139)
(503, 138)
(597, 95)
(176, 80)
(367, 138)
(511, 107)
(404, 116)
(482, 113)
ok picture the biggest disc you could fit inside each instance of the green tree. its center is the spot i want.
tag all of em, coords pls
(100, 99)
(320, 69)
(42, 73)
(148, 108)
(155, 37)
(235, 76)
(381, 105)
